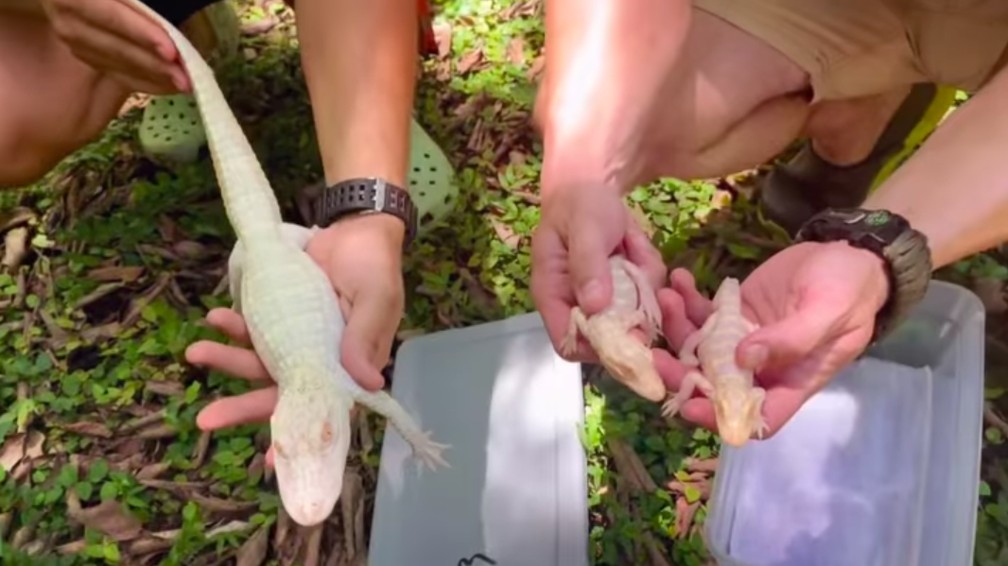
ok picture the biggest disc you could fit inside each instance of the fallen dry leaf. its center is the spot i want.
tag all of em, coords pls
(164, 388)
(16, 216)
(108, 517)
(505, 233)
(34, 445)
(991, 293)
(443, 37)
(253, 551)
(516, 51)
(12, 451)
(216, 505)
(469, 61)
(123, 273)
(89, 428)
(152, 471)
(684, 516)
(15, 247)
(313, 546)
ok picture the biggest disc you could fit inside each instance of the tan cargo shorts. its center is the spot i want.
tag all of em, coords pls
(854, 48)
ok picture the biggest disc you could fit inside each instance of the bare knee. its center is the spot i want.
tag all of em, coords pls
(845, 131)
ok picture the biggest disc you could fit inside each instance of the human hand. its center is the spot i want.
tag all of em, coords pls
(579, 230)
(118, 40)
(239, 360)
(363, 257)
(369, 282)
(816, 305)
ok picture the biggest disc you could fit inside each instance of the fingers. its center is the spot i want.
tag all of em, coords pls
(134, 65)
(231, 324)
(697, 409)
(357, 363)
(588, 250)
(780, 405)
(232, 360)
(239, 361)
(367, 341)
(551, 291)
(130, 25)
(640, 251)
(792, 338)
(252, 407)
(669, 368)
(114, 37)
(676, 326)
(698, 307)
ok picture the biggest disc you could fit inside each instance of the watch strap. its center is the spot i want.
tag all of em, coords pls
(366, 195)
(903, 249)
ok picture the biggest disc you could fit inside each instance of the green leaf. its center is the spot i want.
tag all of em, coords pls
(692, 493)
(84, 490)
(98, 470)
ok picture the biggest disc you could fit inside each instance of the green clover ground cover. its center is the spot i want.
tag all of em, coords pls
(111, 262)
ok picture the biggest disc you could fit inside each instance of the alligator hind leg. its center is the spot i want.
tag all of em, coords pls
(424, 449)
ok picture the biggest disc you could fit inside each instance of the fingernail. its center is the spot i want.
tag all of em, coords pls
(179, 81)
(755, 356)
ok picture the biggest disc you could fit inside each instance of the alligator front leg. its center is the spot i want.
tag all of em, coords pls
(293, 233)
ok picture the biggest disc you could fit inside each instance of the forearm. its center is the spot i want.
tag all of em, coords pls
(606, 64)
(359, 61)
(955, 188)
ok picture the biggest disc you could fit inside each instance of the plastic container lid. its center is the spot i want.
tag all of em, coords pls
(515, 494)
(880, 468)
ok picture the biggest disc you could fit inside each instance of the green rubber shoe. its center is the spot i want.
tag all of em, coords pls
(431, 179)
(171, 129)
(807, 184)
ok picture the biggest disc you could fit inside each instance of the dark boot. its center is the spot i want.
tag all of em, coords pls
(807, 184)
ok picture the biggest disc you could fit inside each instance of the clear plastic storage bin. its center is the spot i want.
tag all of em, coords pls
(881, 468)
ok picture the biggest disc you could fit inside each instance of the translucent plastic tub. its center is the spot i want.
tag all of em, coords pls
(879, 469)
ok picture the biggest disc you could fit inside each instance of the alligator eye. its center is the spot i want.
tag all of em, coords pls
(327, 433)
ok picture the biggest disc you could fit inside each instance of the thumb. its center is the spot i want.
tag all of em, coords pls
(362, 340)
(789, 340)
(590, 243)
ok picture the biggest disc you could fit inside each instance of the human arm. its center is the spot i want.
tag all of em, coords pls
(602, 78)
(607, 62)
(359, 61)
(955, 188)
(817, 303)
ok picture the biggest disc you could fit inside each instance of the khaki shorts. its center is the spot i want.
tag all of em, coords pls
(854, 48)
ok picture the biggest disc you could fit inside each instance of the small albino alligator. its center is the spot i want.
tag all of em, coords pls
(738, 405)
(292, 313)
(633, 305)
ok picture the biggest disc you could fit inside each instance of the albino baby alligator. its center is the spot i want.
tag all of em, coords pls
(738, 405)
(633, 305)
(292, 313)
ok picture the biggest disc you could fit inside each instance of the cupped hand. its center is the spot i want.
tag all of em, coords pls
(580, 228)
(815, 304)
(118, 40)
